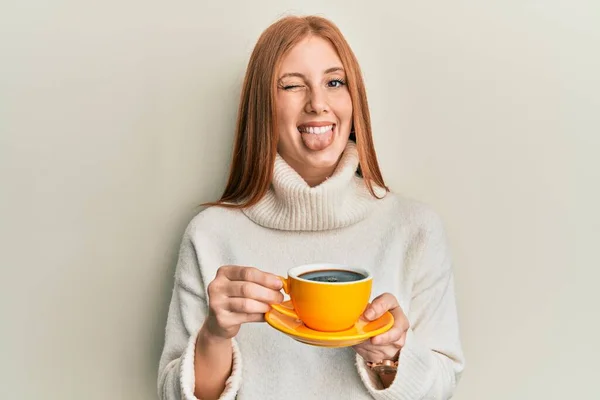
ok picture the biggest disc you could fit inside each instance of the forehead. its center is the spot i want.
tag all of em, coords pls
(313, 55)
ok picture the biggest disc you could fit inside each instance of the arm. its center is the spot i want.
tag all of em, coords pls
(212, 364)
(431, 359)
(192, 361)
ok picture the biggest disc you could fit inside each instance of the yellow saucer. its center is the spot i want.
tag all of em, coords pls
(361, 331)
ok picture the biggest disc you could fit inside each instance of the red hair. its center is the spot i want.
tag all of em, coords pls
(256, 138)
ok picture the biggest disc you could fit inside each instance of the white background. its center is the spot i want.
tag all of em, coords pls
(117, 119)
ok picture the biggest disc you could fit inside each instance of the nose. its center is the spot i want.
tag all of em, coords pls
(316, 102)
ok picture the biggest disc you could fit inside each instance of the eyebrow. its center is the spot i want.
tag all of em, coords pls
(299, 75)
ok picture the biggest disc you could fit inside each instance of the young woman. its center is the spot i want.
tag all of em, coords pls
(305, 187)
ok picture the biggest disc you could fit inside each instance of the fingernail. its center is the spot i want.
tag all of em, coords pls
(370, 314)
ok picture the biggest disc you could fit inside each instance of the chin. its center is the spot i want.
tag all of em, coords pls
(326, 158)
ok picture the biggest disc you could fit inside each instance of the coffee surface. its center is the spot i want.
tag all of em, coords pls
(332, 276)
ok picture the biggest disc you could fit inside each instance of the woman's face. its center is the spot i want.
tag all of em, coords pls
(314, 109)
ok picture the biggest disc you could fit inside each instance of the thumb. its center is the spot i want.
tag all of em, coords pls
(379, 306)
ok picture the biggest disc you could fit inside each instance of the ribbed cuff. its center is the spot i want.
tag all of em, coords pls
(188, 376)
(413, 378)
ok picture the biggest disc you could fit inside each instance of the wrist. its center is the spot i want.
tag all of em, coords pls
(213, 363)
(385, 364)
(208, 340)
(385, 369)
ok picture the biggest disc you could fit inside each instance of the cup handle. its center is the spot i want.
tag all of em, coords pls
(280, 308)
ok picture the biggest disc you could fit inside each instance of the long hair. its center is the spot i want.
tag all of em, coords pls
(256, 137)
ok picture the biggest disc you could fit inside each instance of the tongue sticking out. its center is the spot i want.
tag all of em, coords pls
(318, 142)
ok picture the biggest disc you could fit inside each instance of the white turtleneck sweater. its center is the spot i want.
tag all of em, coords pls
(400, 241)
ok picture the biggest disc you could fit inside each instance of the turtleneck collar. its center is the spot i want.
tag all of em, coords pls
(292, 205)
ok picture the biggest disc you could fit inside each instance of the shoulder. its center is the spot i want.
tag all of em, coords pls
(206, 235)
(423, 233)
(213, 221)
(418, 216)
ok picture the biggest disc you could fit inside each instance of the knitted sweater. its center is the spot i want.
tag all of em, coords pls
(400, 241)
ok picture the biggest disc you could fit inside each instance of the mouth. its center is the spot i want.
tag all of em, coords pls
(317, 135)
(316, 129)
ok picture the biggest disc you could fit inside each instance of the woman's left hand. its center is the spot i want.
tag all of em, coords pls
(386, 346)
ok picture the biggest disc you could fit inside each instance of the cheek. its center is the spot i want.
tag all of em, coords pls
(349, 108)
(344, 108)
(285, 120)
(287, 113)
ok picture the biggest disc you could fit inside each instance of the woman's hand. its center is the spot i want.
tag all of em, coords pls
(386, 346)
(238, 295)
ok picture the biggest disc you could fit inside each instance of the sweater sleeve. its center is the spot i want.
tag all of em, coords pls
(431, 360)
(188, 308)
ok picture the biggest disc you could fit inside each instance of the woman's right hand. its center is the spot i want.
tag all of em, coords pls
(238, 295)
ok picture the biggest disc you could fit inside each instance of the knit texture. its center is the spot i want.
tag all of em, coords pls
(290, 204)
(399, 240)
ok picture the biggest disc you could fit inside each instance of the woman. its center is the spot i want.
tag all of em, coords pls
(305, 186)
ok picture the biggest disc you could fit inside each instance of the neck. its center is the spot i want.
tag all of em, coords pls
(299, 203)
(313, 176)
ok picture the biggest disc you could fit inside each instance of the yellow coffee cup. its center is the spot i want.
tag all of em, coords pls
(327, 297)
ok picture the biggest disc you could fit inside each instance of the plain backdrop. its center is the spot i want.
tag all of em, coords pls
(117, 119)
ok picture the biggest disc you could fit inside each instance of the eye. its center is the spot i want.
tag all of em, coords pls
(336, 83)
(289, 85)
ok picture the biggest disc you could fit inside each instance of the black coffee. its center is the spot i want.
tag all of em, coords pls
(332, 275)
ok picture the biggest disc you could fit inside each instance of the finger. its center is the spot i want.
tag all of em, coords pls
(251, 290)
(251, 274)
(242, 305)
(402, 341)
(363, 353)
(240, 318)
(399, 329)
(373, 355)
(366, 346)
(400, 319)
(216, 287)
(379, 306)
(253, 318)
(389, 337)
